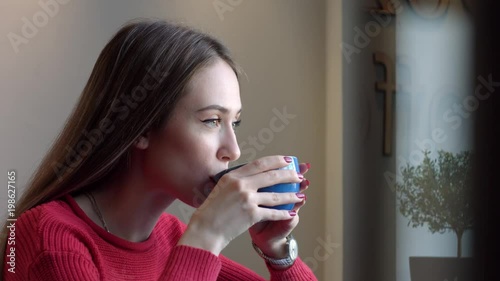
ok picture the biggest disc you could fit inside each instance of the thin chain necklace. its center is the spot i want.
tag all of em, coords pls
(96, 209)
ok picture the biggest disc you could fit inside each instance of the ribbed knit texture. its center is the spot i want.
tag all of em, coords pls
(57, 241)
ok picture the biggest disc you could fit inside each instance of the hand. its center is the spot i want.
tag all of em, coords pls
(233, 206)
(270, 236)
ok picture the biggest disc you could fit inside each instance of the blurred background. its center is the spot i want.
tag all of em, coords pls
(392, 102)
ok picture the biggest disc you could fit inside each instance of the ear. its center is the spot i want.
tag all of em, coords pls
(142, 142)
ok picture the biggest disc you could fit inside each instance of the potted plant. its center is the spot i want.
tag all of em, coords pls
(437, 194)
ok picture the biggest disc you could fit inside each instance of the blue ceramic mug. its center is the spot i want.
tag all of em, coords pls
(279, 188)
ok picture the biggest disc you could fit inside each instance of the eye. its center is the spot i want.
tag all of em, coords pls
(236, 124)
(214, 122)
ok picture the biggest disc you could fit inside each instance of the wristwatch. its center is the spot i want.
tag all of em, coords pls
(292, 249)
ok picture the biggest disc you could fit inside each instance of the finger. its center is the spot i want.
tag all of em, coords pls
(219, 175)
(263, 164)
(304, 185)
(276, 215)
(304, 167)
(297, 206)
(273, 177)
(271, 199)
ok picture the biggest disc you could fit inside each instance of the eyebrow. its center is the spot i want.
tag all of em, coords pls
(215, 107)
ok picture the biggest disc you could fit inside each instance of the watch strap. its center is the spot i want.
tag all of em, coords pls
(285, 262)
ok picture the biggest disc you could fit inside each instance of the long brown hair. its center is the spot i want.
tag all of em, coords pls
(136, 82)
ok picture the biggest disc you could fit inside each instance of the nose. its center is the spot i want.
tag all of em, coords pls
(229, 149)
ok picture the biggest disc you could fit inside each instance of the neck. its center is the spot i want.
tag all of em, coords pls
(129, 207)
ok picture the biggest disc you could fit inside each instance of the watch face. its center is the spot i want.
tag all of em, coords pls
(293, 249)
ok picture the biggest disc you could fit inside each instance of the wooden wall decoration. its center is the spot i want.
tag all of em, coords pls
(388, 86)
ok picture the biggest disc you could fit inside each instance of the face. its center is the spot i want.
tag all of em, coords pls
(198, 140)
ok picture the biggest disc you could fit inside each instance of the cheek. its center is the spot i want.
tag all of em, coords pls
(164, 158)
(177, 160)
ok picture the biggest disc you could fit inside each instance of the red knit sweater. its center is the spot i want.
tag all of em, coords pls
(57, 241)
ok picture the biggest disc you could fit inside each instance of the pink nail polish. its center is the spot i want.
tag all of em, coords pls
(301, 176)
(308, 165)
(300, 195)
(292, 213)
(288, 159)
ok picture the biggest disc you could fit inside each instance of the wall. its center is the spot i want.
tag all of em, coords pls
(334, 174)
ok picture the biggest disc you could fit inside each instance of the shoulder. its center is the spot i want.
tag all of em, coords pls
(51, 226)
(37, 218)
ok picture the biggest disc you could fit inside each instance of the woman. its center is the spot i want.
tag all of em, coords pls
(155, 123)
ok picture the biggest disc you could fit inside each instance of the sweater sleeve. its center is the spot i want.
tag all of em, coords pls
(191, 264)
(298, 271)
(231, 271)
